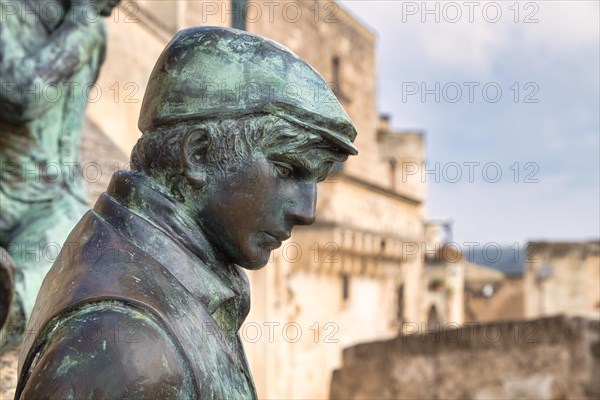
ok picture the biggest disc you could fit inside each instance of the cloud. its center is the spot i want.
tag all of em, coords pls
(560, 132)
(510, 212)
(565, 25)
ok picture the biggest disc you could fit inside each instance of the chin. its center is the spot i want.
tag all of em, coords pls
(258, 262)
(254, 265)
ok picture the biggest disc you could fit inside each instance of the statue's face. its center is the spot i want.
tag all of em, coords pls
(252, 209)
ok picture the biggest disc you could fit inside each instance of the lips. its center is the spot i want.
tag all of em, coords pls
(282, 236)
(274, 239)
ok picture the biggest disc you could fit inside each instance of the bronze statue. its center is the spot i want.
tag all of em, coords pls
(50, 55)
(148, 294)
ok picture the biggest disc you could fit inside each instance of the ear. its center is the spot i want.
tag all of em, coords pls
(193, 156)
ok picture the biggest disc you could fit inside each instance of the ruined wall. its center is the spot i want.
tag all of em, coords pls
(562, 277)
(507, 302)
(551, 358)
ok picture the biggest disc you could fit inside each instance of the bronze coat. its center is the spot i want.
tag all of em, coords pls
(133, 309)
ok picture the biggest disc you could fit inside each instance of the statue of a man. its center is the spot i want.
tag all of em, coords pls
(50, 55)
(147, 300)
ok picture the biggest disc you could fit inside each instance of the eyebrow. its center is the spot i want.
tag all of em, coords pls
(318, 170)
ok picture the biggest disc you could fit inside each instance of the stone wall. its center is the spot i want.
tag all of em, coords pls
(550, 358)
(562, 277)
(506, 302)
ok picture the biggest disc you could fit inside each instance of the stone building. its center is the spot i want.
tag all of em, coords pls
(491, 295)
(442, 283)
(348, 278)
(558, 278)
(562, 277)
(455, 291)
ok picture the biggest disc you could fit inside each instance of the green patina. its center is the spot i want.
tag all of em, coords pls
(67, 363)
(47, 64)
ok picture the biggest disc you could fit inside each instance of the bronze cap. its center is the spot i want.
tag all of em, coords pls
(216, 72)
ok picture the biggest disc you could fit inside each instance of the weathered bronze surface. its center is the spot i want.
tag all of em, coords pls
(7, 273)
(148, 294)
(50, 55)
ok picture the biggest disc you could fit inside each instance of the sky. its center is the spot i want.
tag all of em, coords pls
(508, 95)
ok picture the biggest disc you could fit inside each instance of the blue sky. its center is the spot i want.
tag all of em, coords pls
(551, 130)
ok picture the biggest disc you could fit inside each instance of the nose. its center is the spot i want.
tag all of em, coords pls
(302, 205)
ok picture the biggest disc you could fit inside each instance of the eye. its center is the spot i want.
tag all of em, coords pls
(326, 172)
(323, 177)
(283, 170)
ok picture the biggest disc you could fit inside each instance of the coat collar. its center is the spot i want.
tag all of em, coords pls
(136, 208)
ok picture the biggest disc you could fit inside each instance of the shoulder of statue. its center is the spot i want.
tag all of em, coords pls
(107, 349)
